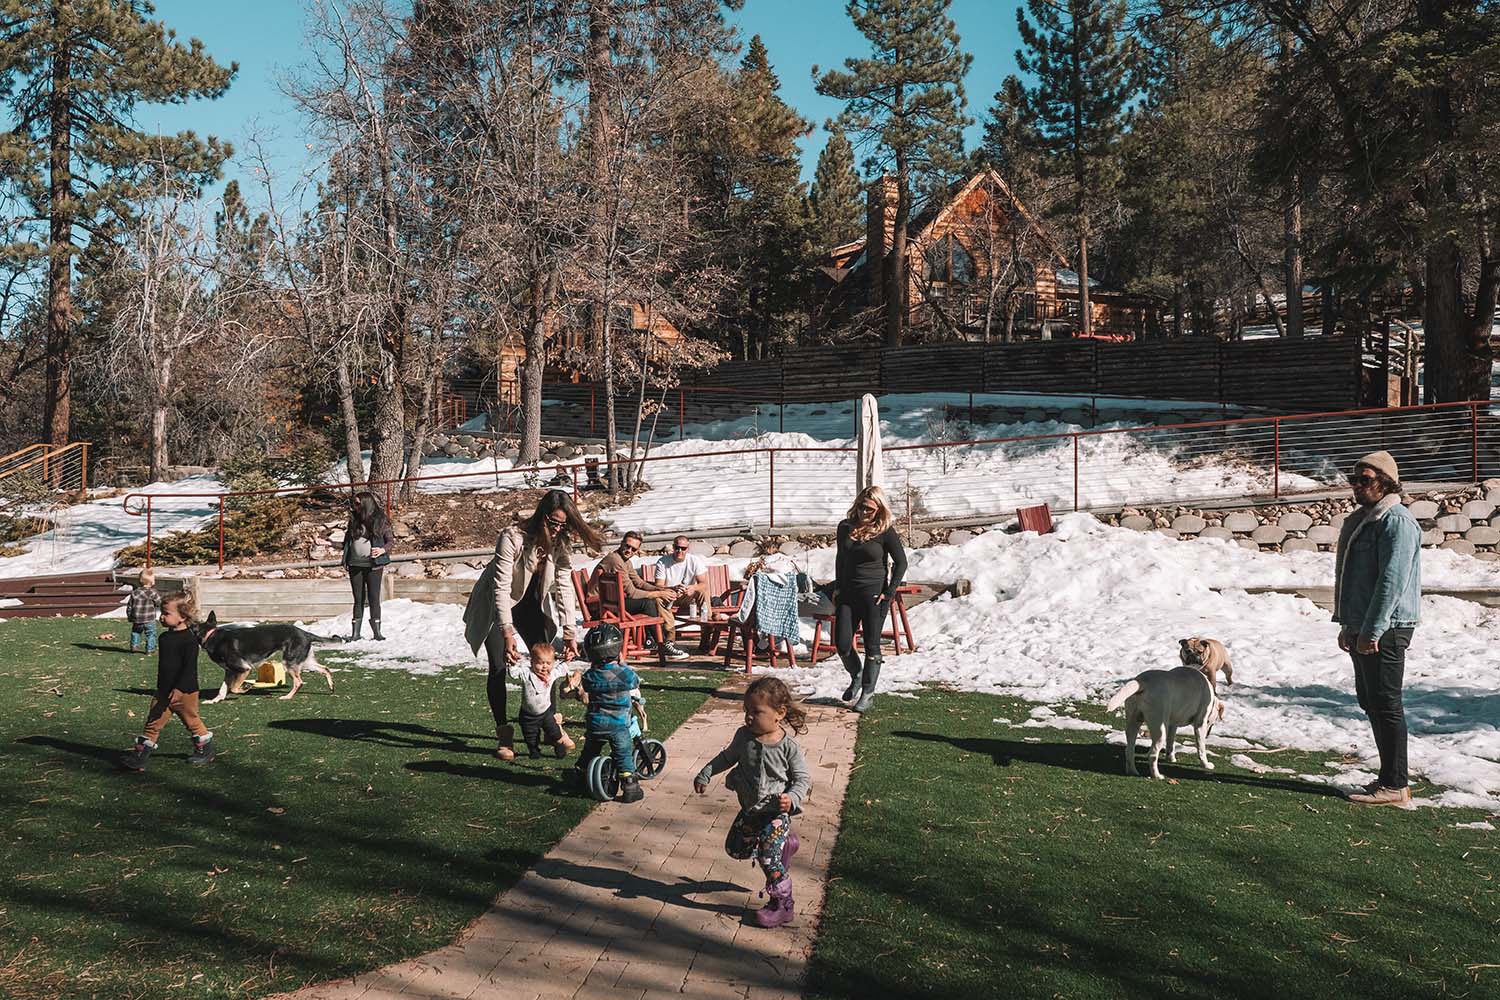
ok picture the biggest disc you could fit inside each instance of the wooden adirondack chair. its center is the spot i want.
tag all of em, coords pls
(633, 625)
(746, 631)
(707, 622)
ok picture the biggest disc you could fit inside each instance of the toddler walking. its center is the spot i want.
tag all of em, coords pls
(176, 687)
(143, 608)
(538, 717)
(770, 777)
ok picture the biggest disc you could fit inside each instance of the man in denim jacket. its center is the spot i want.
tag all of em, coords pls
(1377, 595)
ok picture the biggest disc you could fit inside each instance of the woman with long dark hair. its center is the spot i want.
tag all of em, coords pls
(525, 594)
(869, 565)
(367, 550)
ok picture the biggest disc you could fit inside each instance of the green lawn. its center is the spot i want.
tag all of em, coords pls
(973, 863)
(335, 833)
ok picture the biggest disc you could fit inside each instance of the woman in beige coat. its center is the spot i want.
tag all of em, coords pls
(524, 594)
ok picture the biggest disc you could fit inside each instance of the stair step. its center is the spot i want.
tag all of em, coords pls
(106, 601)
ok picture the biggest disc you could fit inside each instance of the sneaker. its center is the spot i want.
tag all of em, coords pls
(630, 789)
(673, 653)
(203, 751)
(1384, 797)
(135, 759)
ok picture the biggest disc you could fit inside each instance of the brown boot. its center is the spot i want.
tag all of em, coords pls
(1385, 797)
(504, 737)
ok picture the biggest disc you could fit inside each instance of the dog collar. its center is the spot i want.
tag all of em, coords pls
(204, 637)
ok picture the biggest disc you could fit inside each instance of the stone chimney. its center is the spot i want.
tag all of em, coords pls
(880, 231)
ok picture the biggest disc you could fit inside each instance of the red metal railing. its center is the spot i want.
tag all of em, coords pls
(1192, 464)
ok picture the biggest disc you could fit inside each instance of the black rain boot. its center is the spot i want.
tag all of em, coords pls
(203, 750)
(630, 789)
(872, 674)
(135, 760)
(354, 632)
(851, 667)
(375, 630)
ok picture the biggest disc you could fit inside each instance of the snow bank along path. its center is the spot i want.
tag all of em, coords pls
(1068, 617)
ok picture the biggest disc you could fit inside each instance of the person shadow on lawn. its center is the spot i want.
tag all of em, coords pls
(1102, 758)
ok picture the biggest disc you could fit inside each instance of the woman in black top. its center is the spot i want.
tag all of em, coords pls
(863, 587)
(367, 548)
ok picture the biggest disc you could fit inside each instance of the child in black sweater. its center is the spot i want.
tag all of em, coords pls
(176, 687)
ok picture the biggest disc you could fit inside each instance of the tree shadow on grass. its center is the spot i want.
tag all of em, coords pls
(628, 885)
(402, 735)
(510, 776)
(1102, 758)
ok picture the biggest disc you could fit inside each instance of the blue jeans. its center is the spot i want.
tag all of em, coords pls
(147, 631)
(619, 744)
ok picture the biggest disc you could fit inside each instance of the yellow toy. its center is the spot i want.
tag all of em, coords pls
(272, 673)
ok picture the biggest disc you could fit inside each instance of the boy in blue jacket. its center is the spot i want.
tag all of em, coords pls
(609, 687)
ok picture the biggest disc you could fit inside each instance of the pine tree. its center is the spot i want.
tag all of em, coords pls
(906, 101)
(70, 73)
(836, 202)
(1082, 63)
(1011, 140)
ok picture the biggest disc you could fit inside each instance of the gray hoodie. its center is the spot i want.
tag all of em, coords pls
(761, 771)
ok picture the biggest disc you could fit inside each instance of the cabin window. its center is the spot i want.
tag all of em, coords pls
(949, 263)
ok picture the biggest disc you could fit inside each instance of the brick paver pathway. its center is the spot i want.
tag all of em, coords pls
(640, 901)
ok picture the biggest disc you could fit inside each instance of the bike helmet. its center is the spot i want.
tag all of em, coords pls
(603, 643)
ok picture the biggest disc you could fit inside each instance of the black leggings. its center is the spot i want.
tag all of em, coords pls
(366, 583)
(864, 612)
(533, 626)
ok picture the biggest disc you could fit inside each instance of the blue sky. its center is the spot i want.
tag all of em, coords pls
(265, 38)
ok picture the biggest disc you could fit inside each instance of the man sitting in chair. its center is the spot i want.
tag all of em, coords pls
(685, 573)
(641, 598)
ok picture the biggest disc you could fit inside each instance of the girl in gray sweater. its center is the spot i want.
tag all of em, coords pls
(770, 777)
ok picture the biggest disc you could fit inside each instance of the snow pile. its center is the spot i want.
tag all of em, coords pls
(1068, 617)
(88, 535)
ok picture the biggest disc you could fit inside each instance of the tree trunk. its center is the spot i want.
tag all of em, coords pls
(413, 464)
(1292, 262)
(600, 22)
(352, 455)
(388, 434)
(533, 365)
(57, 409)
(159, 421)
(1085, 307)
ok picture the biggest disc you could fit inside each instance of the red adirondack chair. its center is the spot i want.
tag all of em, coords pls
(708, 621)
(1038, 519)
(633, 625)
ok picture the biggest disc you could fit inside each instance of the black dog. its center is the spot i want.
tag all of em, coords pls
(241, 648)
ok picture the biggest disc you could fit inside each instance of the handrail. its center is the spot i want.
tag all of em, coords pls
(52, 459)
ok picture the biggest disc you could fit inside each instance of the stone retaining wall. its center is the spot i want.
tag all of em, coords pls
(1466, 521)
(441, 446)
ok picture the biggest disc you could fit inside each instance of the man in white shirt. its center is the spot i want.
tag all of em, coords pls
(684, 572)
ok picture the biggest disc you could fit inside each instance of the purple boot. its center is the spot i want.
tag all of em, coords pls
(789, 848)
(779, 909)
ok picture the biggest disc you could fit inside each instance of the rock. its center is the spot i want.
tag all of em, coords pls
(1491, 484)
(1299, 545)
(1241, 522)
(593, 449)
(701, 548)
(1478, 510)
(411, 569)
(275, 574)
(1459, 545)
(548, 458)
(1216, 531)
(1488, 556)
(1269, 534)
(1493, 496)
(511, 453)
(742, 549)
(451, 449)
(1337, 521)
(1246, 543)
(1323, 534)
(440, 440)
(1034, 416)
(1160, 521)
(1483, 535)
(565, 451)
(1294, 521)
(336, 537)
(466, 440)
(958, 536)
(721, 550)
(1423, 509)
(1136, 522)
(1188, 524)
(1075, 416)
(790, 547)
(1455, 523)
(1432, 536)
(918, 538)
(1168, 532)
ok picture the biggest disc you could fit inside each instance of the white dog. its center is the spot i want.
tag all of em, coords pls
(1164, 700)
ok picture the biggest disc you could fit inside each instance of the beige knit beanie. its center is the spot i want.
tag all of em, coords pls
(1382, 462)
